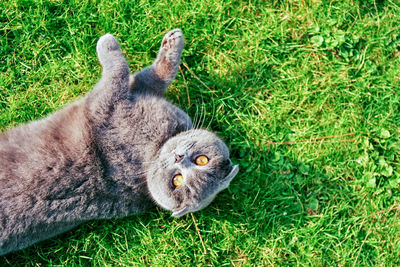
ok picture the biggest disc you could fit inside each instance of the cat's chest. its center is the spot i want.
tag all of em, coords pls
(138, 129)
(151, 121)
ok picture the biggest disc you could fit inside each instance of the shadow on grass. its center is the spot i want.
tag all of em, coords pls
(274, 191)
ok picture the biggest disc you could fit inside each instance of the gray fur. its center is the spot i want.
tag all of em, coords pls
(107, 155)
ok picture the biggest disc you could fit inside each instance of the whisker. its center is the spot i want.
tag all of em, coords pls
(203, 107)
(213, 114)
(195, 117)
(198, 118)
(202, 110)
(189, 124)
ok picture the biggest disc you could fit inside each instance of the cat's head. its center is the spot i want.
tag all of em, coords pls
(191, 169)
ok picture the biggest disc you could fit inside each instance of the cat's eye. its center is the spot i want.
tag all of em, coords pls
(177, 180)
(201, 160)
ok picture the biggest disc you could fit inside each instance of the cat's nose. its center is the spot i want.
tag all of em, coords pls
(178, 158)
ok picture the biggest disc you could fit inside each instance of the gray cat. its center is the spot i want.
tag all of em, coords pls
(113, 153)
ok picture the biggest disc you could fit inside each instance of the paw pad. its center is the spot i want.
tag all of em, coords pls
(173, 40)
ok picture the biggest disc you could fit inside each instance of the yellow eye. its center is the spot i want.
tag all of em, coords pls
(201, 160)
(177, 180)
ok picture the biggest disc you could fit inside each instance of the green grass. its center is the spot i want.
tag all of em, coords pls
(261, 73)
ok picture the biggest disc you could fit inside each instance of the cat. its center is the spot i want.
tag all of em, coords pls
(115, 152)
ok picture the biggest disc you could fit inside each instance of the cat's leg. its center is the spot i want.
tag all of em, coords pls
(111, 59)
(114, 83)
(155, 78)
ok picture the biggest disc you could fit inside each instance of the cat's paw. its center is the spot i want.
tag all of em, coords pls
(173, 41)
(109, 53)
(106, 48)
(107, 43)
(169, 56)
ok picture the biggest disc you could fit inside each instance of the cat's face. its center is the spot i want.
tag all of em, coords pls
(191, 169)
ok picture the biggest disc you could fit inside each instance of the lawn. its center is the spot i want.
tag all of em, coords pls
(306, 94)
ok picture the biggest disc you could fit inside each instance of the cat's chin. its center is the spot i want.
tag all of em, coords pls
(180, 212)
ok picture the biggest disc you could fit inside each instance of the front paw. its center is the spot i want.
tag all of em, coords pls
(173, 41)
(169, 56)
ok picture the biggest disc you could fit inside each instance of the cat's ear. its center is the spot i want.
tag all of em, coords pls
(230, 176)
(233, 173)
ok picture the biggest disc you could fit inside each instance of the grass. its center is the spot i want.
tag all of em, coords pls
(306, 94)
